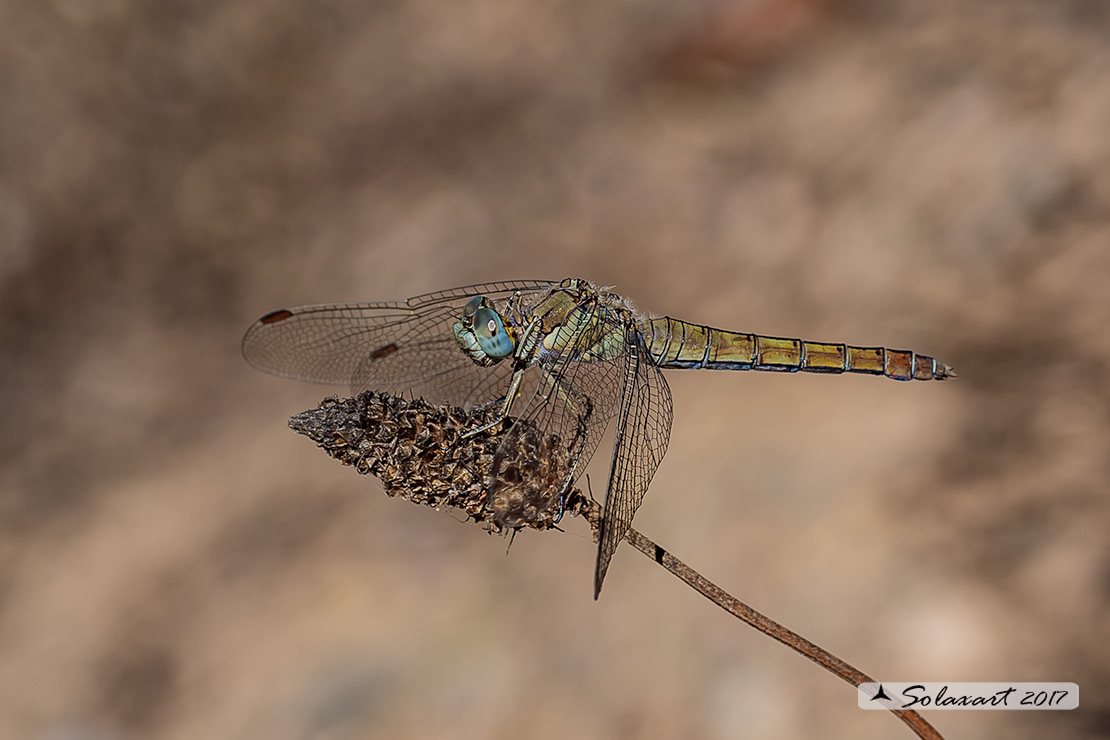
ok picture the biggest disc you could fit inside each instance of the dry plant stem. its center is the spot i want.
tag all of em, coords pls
(421, 453)
(767, 626)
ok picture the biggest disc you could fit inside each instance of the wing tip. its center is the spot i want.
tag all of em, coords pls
(599, 576)
(604, 557)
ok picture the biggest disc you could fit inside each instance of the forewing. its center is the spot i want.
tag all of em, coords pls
(399, 347)
(643, 430)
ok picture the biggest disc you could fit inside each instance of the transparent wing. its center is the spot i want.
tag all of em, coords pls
(643, 430)
(576, 399)
(571, 399)
(397, 346)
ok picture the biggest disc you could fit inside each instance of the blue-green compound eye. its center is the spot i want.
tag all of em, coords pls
(491, 334)
(472, 305)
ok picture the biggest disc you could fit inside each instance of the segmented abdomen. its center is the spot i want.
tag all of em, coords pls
(680, 344)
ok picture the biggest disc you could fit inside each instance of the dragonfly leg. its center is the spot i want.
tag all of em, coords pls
(525, 347)
(582, 407)
(578, 402)
(506, 407)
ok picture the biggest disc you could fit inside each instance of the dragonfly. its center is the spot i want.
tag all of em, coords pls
(568, 356)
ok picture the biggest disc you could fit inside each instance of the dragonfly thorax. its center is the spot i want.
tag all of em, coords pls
(482, 333)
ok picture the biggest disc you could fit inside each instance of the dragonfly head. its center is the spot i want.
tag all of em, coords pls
(481, 332)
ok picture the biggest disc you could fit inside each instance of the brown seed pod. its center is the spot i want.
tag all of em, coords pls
(507, 477)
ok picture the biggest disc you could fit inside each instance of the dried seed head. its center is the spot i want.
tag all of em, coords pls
(509, 477)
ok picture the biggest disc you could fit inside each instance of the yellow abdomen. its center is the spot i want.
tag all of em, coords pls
(680, 344)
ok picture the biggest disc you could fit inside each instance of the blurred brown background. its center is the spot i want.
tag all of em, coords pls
(175, 563)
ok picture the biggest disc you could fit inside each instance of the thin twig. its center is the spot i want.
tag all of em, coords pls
(766, 625)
